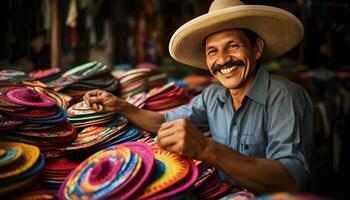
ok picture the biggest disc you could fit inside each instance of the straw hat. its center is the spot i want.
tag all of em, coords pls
(280, 30)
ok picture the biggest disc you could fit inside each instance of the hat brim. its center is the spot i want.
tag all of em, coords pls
(280, 30)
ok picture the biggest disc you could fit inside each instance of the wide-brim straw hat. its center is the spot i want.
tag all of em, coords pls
(280, 30)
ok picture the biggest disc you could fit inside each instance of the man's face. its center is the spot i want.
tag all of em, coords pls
(231, 57)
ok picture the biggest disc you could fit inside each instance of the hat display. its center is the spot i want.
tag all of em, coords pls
(19, 166)
(146, 171)
(9, 154)
(81, 115)
(243, 195)
(29, 97)
(43, 123)
(62, 99)
(140, 179)
(102, 174)
(7, 123)
(56, 170)
(280, 30)
(88, 76)
(179, 174)
(11, 75)
(96, 135)
(167, 97)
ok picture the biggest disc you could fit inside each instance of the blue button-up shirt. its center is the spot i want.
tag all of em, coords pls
(274, 122)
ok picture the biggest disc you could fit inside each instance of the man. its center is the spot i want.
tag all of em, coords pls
(261, 125)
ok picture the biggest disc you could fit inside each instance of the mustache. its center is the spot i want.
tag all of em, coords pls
(228, 64)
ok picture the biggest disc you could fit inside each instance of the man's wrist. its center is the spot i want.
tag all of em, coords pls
(208, 154)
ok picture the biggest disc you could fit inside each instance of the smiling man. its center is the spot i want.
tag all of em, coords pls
(261, 125)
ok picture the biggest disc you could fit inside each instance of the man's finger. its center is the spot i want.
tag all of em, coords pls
(99, 107)
(166, 141)
(166, 125)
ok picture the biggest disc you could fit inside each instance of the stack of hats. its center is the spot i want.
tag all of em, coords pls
(130, 170)
(196, 83)
(244, 195)
(56, 170)
(172, 176)
(10, 75)
(19, 166)
(76, 81)
(209, 186)
(46, 75)
(7, 122)
(62, 99)
(116, 172)
(138, 100)
(133, 82)
(167, 97)
(45, 124)
(97, 130)
(157, 79)
(81, 115)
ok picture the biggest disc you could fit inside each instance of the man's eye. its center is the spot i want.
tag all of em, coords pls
(211, 52)
(233, 46)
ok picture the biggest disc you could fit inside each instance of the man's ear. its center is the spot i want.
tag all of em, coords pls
(259, 47)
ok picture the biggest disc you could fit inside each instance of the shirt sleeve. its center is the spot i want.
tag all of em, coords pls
(195, 111)
(289, 133)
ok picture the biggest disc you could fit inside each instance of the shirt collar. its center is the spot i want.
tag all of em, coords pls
(258, 91)
(223, 96)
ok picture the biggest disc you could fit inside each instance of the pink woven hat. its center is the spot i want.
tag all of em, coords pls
(28, 97)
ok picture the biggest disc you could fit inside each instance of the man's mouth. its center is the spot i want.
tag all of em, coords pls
(227, 67)
(225, 71)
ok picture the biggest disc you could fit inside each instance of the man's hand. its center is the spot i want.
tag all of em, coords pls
(182, 137)
(102, 101)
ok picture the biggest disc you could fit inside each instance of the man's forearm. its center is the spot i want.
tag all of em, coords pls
(255, 174)
(146, 119)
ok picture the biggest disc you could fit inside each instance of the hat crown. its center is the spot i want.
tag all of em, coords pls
(29, 94)
(222, 4)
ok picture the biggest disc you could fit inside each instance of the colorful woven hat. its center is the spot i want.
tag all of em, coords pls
(25, 162)
(179, 187)
(136, 183)
(37, 112)
(176, 169)
(28, 97)
(101, 175)
(9, 154)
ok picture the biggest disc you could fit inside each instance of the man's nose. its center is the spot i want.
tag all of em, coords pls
(223, 57)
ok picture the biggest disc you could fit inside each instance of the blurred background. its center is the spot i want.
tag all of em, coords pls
(41, 34)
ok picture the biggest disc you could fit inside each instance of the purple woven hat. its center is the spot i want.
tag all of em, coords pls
(28, 97)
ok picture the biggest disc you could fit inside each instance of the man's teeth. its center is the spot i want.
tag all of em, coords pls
(228, 70)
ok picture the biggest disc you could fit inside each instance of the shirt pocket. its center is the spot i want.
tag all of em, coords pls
(251, 146)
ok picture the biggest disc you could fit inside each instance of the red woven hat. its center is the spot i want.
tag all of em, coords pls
(28, 97)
